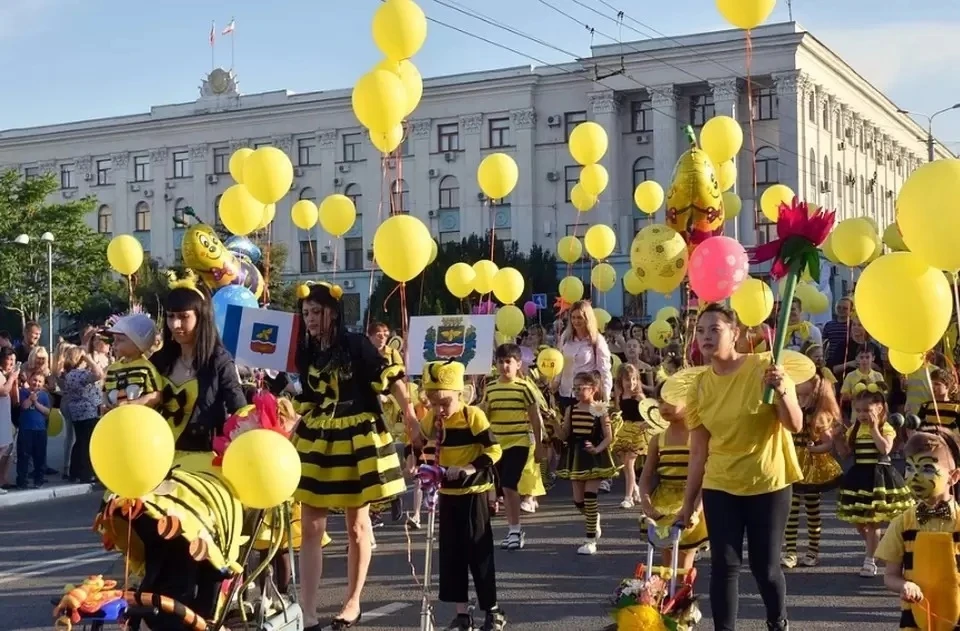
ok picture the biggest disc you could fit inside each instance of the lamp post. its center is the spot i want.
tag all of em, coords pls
(930, 140)
(47, 237)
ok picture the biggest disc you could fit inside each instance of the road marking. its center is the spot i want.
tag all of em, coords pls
(51, 566)
(386, 610)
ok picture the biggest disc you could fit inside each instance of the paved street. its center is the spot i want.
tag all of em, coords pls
(545, 586)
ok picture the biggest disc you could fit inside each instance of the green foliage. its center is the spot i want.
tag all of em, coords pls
(428, 295)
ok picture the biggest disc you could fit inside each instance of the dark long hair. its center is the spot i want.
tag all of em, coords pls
(307, 347)
(179, 300)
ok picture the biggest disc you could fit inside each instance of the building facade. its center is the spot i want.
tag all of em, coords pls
(817, 127)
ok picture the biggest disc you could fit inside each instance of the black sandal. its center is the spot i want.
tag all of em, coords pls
(339, 624)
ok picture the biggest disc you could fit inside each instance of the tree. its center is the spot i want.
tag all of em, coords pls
(428, 295)
(79, 253)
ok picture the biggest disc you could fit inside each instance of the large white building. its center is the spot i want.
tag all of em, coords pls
(818, 127)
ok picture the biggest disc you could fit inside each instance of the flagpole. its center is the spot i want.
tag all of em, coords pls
(233, 37)
(213, 39)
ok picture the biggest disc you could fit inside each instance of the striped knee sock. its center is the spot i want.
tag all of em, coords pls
(793, 525)
(579, 506)
(811, 502)
(592, 514)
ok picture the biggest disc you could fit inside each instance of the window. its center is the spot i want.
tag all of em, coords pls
(305, 149)
(639, 223)
(571, 120)
(838, 124)
(863, 193)
(103, 170)
(768, 166)
(221, 161)
(351, 147)
(860, 139)
(307, 193)
(351, 309)
(571, 175)
(31, 172)
(701, 109)
(308, 257)
(766, 104)
(267, 143)
(499, 132)
(642, 170)
(641, 116)
(179, 207)
(353, 192)
(216, 213)
(141, 168)
(571, 230)
(826, 169)
(405, 149)
(826, 116)
(449, 192)
(181, 164)
(142, 217)
(66, 176)
(399, 197)
(813, 174)
(105, 219)
(839, 189)
(353, 253)
(448, 137)
(448, 236)
(812, 107)
(177, 256)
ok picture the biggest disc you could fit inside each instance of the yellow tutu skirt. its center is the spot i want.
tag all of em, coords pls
(667, 499)
(821, 472)
(530, 482)
(630, 439)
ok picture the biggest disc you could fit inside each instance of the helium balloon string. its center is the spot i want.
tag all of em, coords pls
(936, 408)
(336, 264)
(748, 63)
(266, 263)
(423, 277)
(493, 225)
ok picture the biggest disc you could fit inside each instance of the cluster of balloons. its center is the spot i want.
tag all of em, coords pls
(588, 144)
(600, 242)
(263, 177)
(336, 214)
(854, 242)
(506, 285)
(660, 331)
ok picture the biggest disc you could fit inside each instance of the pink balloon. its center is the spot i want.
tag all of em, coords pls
(530, 308)
(717, 268)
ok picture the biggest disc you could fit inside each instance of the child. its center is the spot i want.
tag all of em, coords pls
(662, 485)
(918, 547)
(863, 373)
(511, 405)
(133, 379)
(631, 443)
(821, 472)
(414, 457)
(941, 412)
(814, 352)
(586, 459)
(32, 435)
(468, 450)
(872, 490)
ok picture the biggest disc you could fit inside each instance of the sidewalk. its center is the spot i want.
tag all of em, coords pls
(48, 491)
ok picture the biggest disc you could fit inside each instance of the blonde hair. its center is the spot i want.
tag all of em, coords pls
(34, 357)
(629, 371)
(590, 320)
(58, 356)
(72, 358)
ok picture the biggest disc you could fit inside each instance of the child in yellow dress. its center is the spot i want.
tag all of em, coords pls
(631, 442)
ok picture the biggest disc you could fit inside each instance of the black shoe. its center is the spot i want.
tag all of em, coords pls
(462, 622)
(494, 621)
(340, 623)
(782, 625)
(396, 509)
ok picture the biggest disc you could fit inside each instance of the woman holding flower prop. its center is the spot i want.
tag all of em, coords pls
(796, 249)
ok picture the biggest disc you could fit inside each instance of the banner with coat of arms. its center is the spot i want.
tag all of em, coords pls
(467, 339)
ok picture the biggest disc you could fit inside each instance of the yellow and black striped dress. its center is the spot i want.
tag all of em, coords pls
(465, 438)
(872, 490)
(934, 414)
(347, 454)
(576, 463)
(667, 498)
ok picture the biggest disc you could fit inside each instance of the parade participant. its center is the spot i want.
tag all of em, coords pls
(863, 373)
(800, 331)
(468, 450)
(815, 353)
(942, 411)
(586, 459)
(346, 450)
(132, 379)
(742, 459)
(918, 547)
(631, 443)
(872, 491)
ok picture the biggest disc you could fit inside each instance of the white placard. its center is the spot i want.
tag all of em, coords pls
(465, 338)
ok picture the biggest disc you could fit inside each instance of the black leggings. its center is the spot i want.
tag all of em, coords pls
(763, 518)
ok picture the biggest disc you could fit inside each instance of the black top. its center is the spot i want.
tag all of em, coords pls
(630, 410)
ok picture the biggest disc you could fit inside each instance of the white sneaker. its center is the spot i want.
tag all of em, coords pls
(506, 542)
(627, 503)
(869, 569)
(588, 548)
(528, 505)
(605, 486)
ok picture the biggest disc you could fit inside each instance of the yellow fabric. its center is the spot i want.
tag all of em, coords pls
(750, 452)
(531, 483)
(865, 448)
(856, 376)
(138, 372)
(918, 389)
(465, 439)
(632, 438)
(667, 497)
(941, 413)
(265, 536)
(827, 375)
(443, 376)
(178, 403)
(508, 404)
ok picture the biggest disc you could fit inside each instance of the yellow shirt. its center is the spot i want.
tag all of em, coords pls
(508, 407)
(855, 377)
(139, 372)
(828, 375)
(750, 452)
(466, 440)
(891, 546)
(864, 447)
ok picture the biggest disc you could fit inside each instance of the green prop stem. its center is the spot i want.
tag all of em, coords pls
(780, 341)
(691, 137)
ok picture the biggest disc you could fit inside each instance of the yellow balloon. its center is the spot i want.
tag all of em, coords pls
(54, 423)
(600, 240)
(808, 296)
(594, 179)
(571, 289)
(569, 249)
(660, 333)
(509, 320)
(434, 250)
(853, 241)
(753, 302)
(603, 277)
(240, 212)
(338, 214)
(459, 279)
(387, 142)
(746, 14)
(893, 239)
(508, 286)
(497, 175)
(485, 271)
(603, 319)
(632, 283)
(236, 163)
(731, 205)
(131, 450)
(411, 79)
(905, 363)
(268, 174)
(399, 29)
(379, 100)
(659, 256)
(928, 213)
(827, 249)
(721, 137)
(726, 175)
(501, 338)
(872, 222)
(263, 468)
(550, 362)
(877, 248)
(401, 247)
(269, 212)
(304, 214)
(125, 254)
(588, 143)
(582, 200)
(665, 313)
(648, 196)
(904, 303)
(819, 304)
(772, 198)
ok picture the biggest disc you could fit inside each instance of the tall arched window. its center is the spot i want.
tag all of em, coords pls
(400, 196)
(307, 193)
(812, 107)
(643, 170)
(178, 208)
(768, 166)
(838, 124)
(142, 217)
(812, 174)
(449, 192)
(863, 193)
(353, 192)
(826, 169)
(105, 219)
(839, 190)
(826, 116)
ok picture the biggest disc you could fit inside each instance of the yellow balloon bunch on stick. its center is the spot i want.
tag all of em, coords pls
(588, 143)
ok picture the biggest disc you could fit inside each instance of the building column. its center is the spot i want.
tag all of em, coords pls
(726, 102)
(666, 132)
(476, 215)
(524, 215)
(120, 165)
(605, 108)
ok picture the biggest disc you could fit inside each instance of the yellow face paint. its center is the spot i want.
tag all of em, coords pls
(926, 477)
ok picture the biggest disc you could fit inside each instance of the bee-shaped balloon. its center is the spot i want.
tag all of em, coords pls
(694, 201)
(204, 253)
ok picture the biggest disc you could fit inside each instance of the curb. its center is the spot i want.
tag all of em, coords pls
(32, 496)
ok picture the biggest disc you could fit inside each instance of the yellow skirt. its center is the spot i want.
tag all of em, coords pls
(667, 499)
(530, 482)
(630, 439)
(346, 462)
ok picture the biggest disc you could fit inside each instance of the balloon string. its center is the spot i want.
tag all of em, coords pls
(927, 609)
(748, 63)
(936, 408)
(423, 277)
(404, 318)
(373, 265)
(266, 263)
(390, 295)
(956, 341)
(336, 245)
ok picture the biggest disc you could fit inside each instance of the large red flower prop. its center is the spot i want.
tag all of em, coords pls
(799, 237)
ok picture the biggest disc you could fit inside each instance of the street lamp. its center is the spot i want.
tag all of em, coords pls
(47, 237)
(930, 141)
(22, 240)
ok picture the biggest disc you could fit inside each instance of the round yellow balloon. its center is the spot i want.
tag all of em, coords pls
(600, 240)
(236, 163)
(399, 29)
(746, 14)
(603, 277)
(853, 242)
(808, 296)
(659, 256)
(401, 247)
(509, 320)
(660, 333)
(594, 179)
(379, 100)
(893, 239)
(337, 214)
(304, 214)
(819, 304)
(571, 289)
(928, 213)
(263, 468)
(569, 249)
(905, 363)
(772, 198)
(497, 175)
(588, 143)
(665, 313)
(388, 141)
(726, 176)
(434, 251)
(827, 249)
(753, 302)
(581, 199)
(131, 450)
(722, 138)
(632, 283)
(603, 319)
(732, 204)
(904, 303)
(411, 79)
(550, 362)
(485, 271)
(269, 213)
(268, 174)
(459, 279)
(508, 285)
(648, 196)
(54, 423)
(240, 212)
(125, 254)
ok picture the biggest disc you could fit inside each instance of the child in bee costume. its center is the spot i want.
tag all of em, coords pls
(920, 547)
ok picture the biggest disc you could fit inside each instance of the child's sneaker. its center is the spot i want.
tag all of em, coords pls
(589, 548)
(627, 503)
(462, 622)
(494, 621)
(528, 505)
(599, 529)
(605, 486)
(810, 560)
(515, 540)
(869, 569)
(789, 560)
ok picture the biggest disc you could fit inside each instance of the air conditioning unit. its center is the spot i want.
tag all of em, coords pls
(88, 176)
(889, 194)
(841, 146)
(481, 197)
(433, 173)
(148, 193)
(213, 179)
(344, 168)
(432, 213)
(850, 179)
(67, 194)
(889, 156)
(171, 185)
(349, 283)
(553, 176)
(868, 145)
(450, 156)
(643, 139)
(554, 121)
(167, 197)
(848, 133)
(369, 254)
(325, 257)
(134, 187)
(297, 172)
(825, 187)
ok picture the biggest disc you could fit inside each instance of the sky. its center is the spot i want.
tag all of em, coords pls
(65, 60)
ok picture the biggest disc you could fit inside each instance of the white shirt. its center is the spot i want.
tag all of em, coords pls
(584, 356)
